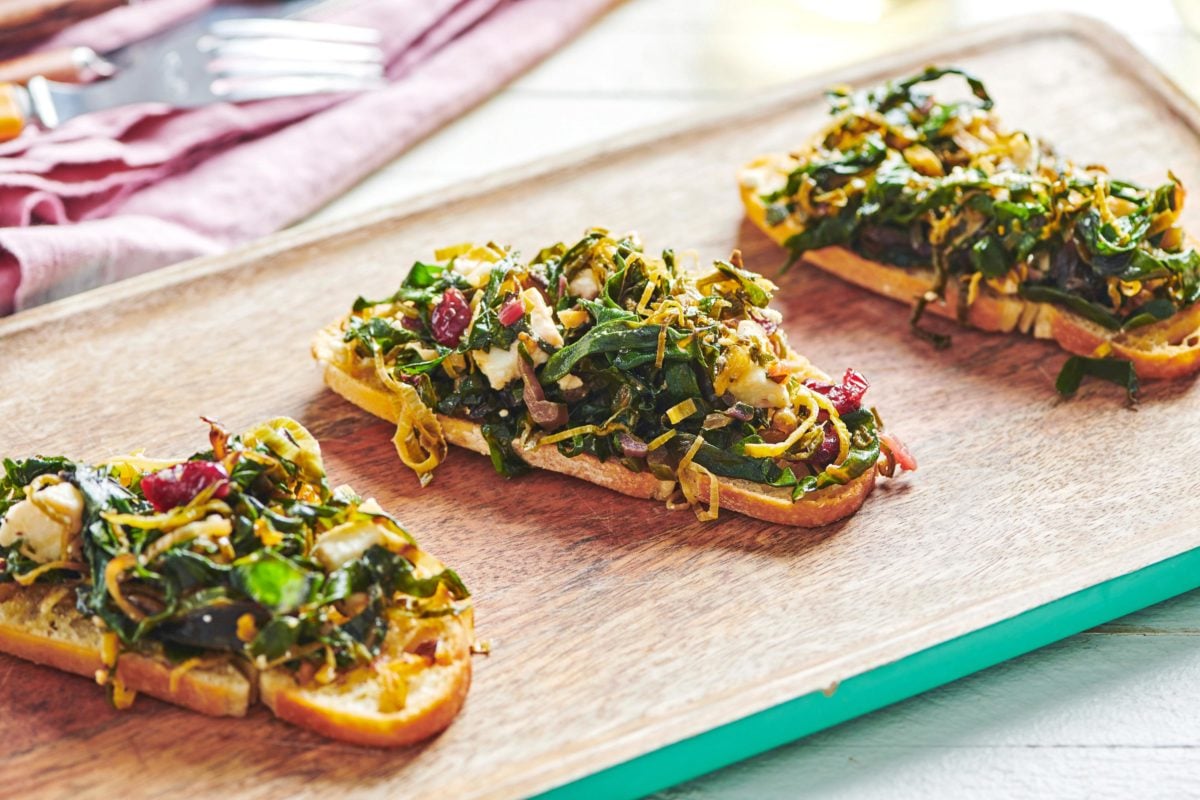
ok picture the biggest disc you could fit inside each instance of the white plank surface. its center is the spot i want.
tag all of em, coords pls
(1110, 712)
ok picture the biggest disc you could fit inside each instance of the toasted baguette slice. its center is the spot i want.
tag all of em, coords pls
(40, 624)
(755, 500)
(357, 707)
(1166, 349)
(410, 690)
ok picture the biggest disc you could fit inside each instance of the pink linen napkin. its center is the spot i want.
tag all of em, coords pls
(116, 194)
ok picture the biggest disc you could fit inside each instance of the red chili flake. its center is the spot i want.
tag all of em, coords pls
(512, 311)
(846, 396)
(450, 318)
(176, 486)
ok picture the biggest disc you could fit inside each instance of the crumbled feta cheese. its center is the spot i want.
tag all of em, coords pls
(751, 331)
(45, 538)
(584, 284)
(541, 318)
(771, 315)
(476, 272)
(501, 366)
(569, 382)
(754, 387)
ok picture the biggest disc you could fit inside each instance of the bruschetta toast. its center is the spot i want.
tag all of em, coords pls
(232, 576)
(932, 201)
(642, 374)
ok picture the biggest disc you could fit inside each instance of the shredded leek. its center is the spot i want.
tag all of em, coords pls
(681, 411)
(419, 440)
(767, 450)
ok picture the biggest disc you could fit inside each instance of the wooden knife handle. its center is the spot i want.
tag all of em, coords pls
(28, 20)
(57, 65)
(12, 112)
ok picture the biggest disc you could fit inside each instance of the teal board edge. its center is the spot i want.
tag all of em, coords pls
(890, 683)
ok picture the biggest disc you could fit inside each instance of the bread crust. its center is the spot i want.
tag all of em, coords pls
(36, 627)
(64, 639)
(745, 497)
(1167, 349)
(322, 710)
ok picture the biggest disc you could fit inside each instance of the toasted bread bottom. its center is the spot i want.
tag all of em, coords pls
(1166, 349)
(350, 708)
(755, 500)
(34, 627)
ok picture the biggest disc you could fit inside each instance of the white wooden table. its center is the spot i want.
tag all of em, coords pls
(1111, 711)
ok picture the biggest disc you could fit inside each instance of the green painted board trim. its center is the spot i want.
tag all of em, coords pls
(890, 683)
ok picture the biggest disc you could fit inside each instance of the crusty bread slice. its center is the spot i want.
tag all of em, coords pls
(40, 624)
(1166, 349)
(355, 708)
(36, 626)
(763, 502)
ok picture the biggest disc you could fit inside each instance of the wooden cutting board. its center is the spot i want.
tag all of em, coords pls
(620, 628)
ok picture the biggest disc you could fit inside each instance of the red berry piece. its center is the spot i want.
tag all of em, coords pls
(829, 448)
(450, 318)
(176, 486)
(846, 396)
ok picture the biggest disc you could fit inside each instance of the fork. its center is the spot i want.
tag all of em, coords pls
(232, 60)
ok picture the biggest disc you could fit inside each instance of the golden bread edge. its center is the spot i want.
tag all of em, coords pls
(64, 639)
(767, 503)
(220, 691)
(1157, 351)
(308, 708)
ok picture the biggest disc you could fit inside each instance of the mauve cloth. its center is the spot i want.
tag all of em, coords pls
(119, 193)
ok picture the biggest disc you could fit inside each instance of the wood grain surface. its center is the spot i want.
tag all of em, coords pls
(617, 626)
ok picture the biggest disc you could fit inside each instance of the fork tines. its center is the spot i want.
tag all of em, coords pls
(255, 59)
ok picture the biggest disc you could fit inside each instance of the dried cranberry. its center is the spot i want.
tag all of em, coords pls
(846, 396)
(411, 323)
(512, 311)
(450, 318)
(177, 485)
(829, 448)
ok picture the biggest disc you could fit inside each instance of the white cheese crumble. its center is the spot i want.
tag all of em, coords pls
(569, 382)
(584, 284)
(752, 332)
(477, 273)
(43, 537)
(541, 318)
(754, 387)
(501, 367)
